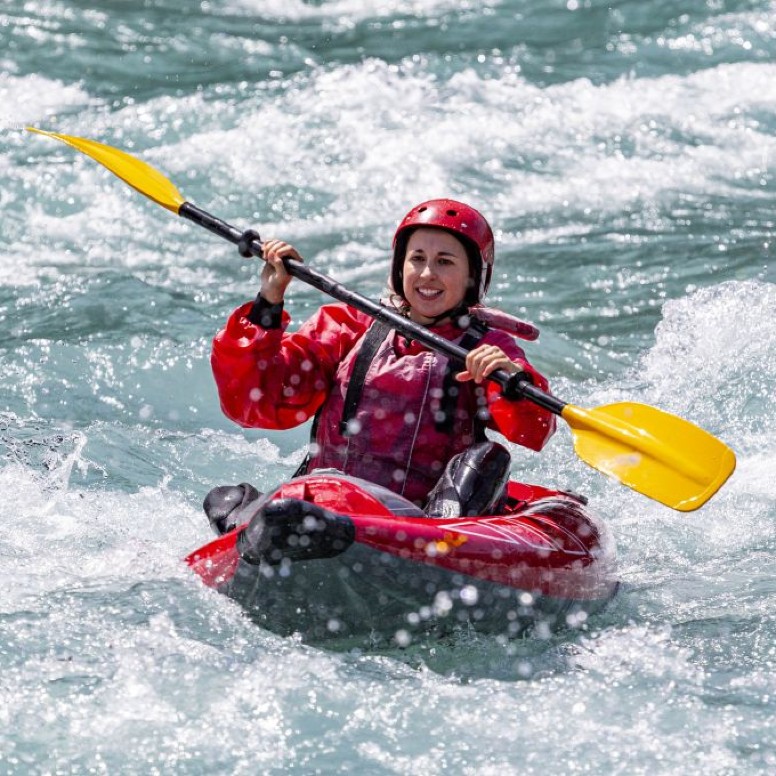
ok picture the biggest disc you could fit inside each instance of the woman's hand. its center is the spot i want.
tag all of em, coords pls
(484, 360)
(274, 278)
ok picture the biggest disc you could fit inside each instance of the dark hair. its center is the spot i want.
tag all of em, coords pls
(472, 254)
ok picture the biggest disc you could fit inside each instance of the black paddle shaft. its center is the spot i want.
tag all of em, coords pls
(514, 386)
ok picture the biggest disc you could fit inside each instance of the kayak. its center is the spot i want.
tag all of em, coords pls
(332, 557)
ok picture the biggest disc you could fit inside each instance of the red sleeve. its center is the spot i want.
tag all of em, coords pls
(522, 421)
(267, 378)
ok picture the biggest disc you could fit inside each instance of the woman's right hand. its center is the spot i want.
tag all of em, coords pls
(274, 278)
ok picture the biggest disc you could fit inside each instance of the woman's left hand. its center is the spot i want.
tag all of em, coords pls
(484, 360)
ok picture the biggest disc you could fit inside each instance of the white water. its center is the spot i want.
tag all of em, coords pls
(625, 158)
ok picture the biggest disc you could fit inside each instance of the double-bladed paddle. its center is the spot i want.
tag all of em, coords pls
(653, 452)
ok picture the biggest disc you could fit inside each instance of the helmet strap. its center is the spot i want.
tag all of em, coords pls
(460, 311)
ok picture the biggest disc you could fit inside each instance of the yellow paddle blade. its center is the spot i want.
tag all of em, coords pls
(658, 454)
(137, 174)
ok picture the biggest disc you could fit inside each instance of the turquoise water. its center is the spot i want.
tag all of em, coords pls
(624, 153)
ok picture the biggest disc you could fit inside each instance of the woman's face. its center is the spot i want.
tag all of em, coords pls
(436, 273)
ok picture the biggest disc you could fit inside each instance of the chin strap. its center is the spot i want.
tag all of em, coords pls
(458, 315)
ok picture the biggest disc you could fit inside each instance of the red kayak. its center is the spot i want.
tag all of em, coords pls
(330, 556)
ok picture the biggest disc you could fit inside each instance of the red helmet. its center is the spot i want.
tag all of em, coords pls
(455, 217)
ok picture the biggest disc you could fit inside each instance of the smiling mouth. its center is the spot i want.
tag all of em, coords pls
(429, 293)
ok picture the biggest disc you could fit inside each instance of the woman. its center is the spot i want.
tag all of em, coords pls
(388, 409)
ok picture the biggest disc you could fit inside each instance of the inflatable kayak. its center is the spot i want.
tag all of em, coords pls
(328, 556)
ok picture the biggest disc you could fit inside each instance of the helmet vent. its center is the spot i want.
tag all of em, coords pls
(452, 212)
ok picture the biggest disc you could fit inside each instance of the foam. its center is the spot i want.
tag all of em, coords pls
(343, 161)
(715, 358)
(345, 12)
(18, 109)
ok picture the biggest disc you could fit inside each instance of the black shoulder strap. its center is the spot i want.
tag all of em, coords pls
(374, 337)
(370, 344)
(451, 388)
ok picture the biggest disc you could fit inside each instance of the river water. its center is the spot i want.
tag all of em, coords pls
(625, 153)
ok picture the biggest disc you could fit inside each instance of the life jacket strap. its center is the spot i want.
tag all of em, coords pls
(373, 339)
(370, 344)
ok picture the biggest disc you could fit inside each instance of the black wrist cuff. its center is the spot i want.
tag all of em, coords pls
(265, 314)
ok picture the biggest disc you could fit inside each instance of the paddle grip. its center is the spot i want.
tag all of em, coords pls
(248, 242)
(518, 386)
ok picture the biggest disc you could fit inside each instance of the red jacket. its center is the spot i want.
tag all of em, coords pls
(268, 378)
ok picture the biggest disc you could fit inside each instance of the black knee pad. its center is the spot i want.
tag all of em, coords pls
(473, 483)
